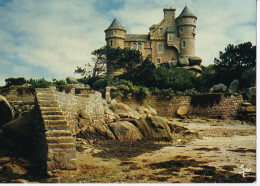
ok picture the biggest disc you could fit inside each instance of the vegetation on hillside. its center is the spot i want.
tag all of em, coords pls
(163, 80)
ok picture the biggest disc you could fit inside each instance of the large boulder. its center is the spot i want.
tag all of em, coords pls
(196, 68)
(71, 80)
(183, 62)
(6, 111)
(218, 88)
(125, 131)
(234, 86)
(123, 110)
(21, 128)
(250, 95)
(95, 131)
(182, 111)
(154, 128)
(195, 60)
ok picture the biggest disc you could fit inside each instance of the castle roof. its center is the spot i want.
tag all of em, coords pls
(115, 24)
(137, 37)
(186, 12)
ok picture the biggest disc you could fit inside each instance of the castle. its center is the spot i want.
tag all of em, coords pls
(170, 41)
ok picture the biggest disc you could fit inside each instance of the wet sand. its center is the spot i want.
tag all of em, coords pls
(223, 152)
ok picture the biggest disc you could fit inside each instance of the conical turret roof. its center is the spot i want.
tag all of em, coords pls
(115, 24)
(186, 12)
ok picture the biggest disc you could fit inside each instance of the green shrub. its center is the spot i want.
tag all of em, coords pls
(15, 81)
(164, 93)
(39, 83)
(60, 82)
(67, 88)
(100, 84)
(177, 79)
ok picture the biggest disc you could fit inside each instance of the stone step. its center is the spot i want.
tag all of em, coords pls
(57, 133)
(53, 117)
(47, 98)
(59, 140)
(49, 103)
(47, 113)
(50, 109)
(55, 122)
(56, 127)
(69, 165)
(62, 145)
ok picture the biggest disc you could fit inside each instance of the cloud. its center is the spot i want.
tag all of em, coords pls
(51, 38)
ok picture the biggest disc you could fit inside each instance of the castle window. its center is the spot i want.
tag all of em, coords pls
(180, 20)
(160, 30)
(115, 32)
(139, 46)
(181, 30)
(111, 43)
(170, 37)
(134, 46)
(158, 61)
(183, 44)
(160, 48)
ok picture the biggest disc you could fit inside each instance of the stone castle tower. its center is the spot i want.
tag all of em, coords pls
(172, 41)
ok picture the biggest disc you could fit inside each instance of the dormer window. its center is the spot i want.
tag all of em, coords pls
(115, 32)
(160, 30)
(170, 37)
(181, 30)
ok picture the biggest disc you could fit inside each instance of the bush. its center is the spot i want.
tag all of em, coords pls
(177, 79)
(15, 81)
(67, 88)
(40, 83)
(100, 84)
(60, 82)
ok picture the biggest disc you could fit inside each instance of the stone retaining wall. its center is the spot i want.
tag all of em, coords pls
(227, 107)
(71, 105)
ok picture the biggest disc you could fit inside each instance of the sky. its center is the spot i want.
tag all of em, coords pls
(50, 38)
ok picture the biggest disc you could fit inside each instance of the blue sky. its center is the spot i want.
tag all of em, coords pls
(51, 38)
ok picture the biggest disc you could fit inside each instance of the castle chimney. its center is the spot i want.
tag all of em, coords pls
(169, 12)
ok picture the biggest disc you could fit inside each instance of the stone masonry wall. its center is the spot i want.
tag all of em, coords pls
(71, 105)
(227, 107)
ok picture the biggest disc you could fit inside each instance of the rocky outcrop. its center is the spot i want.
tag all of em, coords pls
(218, 88)
(195, 60)
(125, 131)
(183, 62)
(94, 131)
(182, 111)
(250, 95)
(154, 128)
(247, 112)
(234, 86)
(6, 111)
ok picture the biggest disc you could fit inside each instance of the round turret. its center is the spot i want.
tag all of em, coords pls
(186, 25)
(115, 34)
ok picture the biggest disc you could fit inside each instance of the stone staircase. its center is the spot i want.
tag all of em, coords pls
(61, 144)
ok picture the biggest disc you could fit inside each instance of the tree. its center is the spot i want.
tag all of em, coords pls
(234, 61)
(116, 58)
